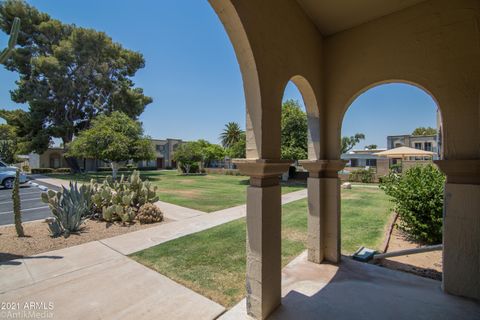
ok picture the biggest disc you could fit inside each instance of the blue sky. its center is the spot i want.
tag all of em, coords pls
(193, 76)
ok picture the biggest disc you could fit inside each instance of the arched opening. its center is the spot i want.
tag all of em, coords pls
(300, 141)
(389, 130)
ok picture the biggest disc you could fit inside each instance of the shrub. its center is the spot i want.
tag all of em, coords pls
(70, 207)
(41, 170)
(362, 175)
(418, 198)
(62, 170)
(149, 213)
(26, 168)
(104, 169)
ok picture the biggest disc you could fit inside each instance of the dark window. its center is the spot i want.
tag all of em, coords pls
(372, 162)
(428, 146)
(418, 145)
(160, 147)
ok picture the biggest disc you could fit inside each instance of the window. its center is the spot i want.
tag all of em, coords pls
(2, 164)
(160, 147)
(398, 145)
(371, 162)
(418, 145)
(428, 146)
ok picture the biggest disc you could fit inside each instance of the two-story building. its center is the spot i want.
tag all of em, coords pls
(54, 158)
(427, 143)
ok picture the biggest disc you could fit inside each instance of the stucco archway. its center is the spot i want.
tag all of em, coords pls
(313, 115)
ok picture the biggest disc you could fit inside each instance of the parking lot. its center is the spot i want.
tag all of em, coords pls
(32, 206)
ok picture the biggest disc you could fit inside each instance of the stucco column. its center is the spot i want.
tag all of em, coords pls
(461, 227)
(263, 234)
(323, 242)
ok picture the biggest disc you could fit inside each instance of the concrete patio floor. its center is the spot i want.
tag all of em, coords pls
(360, 291)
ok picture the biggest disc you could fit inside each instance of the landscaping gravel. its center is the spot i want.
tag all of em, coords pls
(38, 238)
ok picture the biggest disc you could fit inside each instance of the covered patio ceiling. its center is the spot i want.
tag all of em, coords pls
(332, 16)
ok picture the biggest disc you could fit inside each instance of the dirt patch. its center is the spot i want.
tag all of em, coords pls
(428, 264)
(38, 238)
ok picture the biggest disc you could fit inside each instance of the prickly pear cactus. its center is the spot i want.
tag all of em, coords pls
(119, 200)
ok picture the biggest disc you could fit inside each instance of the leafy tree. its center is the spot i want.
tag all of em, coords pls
(239, 149)
(422, 131)
(371, 147)
(188, 155)
(418, 198)
(113, 138)
(294, 131)
(8, 144)
(68, 76)
(210, 152)
(231, 135)
(347, 143)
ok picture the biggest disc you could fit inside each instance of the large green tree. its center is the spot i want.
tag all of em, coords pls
(113, 138)
(424, 131)
(8, 144)
(188, 155)
(294, 131)
(210, 152)
(67, 75)
(239, 149)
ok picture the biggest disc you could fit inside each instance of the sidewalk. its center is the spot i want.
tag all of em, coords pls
(97, 280)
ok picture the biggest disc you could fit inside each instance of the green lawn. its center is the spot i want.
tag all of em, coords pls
(212, 262)
(206, 193)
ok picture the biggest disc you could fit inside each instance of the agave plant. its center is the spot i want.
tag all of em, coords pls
(70, 207)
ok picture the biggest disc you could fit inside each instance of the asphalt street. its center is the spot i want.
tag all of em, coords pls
(32, 207)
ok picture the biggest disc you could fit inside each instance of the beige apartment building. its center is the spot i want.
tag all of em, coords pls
(54, 158)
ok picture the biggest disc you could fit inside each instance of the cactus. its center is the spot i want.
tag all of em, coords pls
(7, 52)
(120, 199)
(16, 205)
(70, 207)
(149, 213)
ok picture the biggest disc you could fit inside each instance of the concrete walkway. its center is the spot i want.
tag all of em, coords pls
(51, 181)
(92, 281)
(96, 280)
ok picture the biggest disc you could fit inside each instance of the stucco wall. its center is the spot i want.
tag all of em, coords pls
(433, 45)
(274, 42)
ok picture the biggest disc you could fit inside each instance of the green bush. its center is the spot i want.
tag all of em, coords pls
(362, 175)
(41, 170)
(62, 170)
(418, 198)
(26, 168)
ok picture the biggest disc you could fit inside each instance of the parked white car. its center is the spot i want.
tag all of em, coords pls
(7, 175)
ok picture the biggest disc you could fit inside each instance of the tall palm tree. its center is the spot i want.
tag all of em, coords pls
(231, 134)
